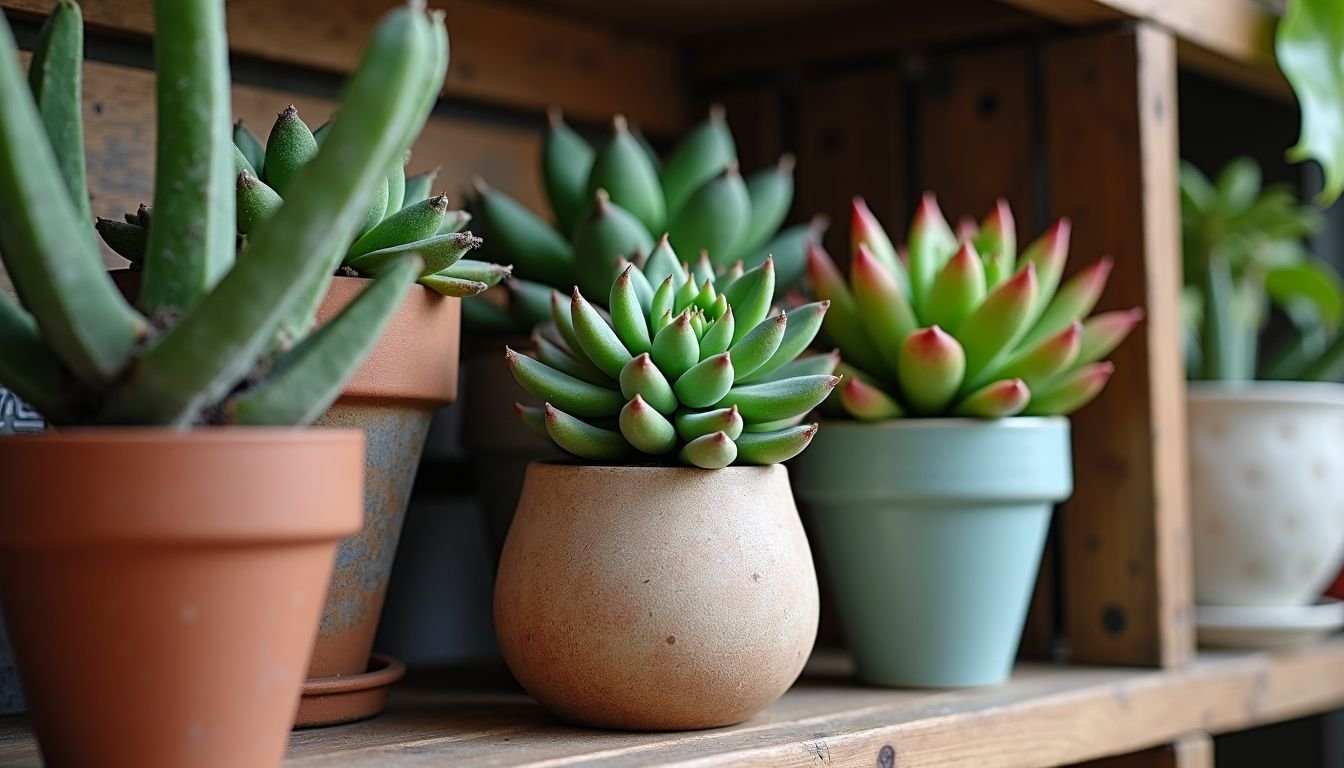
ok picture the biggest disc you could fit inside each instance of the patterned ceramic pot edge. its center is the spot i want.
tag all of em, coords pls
(16, 418)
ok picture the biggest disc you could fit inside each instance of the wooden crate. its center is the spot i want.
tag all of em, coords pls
(1064, 107)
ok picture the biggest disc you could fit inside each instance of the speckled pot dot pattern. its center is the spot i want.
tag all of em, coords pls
(1267, 492)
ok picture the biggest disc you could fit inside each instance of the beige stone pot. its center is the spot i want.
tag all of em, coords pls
(656, 598)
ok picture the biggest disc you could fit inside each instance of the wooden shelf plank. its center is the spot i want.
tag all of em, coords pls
(1047, 715)
(1231, 39)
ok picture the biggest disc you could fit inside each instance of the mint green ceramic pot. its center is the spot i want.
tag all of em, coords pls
(932, 531)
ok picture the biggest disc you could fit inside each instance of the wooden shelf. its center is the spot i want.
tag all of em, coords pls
(1048, 715)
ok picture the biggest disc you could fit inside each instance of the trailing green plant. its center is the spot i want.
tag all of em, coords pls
(618, 199)
(221, 335)
(960, 324)
(402, 218)
(1243, 256)
(685, 365)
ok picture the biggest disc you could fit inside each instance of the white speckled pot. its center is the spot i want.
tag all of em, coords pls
(1267, 490)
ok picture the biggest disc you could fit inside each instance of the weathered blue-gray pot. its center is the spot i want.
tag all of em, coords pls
(392, 397)
(932, 531)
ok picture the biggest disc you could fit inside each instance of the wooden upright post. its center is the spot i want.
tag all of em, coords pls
(1111, 147)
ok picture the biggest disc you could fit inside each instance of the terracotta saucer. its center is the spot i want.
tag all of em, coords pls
(347, 698)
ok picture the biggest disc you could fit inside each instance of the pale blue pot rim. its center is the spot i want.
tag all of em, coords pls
(1287, 393)
(938, 461)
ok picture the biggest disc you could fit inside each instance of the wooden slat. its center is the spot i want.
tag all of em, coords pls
(1110, 102)
(851, 136)
(1232, 39)
(976, 124)
(501, 54)
(1045, 716)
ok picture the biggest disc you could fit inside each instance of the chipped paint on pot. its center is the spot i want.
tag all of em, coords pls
(394, 438)
(656, 598)
(392, 397)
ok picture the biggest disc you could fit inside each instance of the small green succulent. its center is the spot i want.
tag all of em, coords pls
(961, 325)
(219, 335)
(686, 364)
(620, 198)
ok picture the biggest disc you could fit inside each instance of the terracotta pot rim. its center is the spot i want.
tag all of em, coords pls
(1287, 393)
(225, 435)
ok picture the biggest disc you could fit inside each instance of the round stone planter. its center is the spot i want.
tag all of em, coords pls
(932, 530)
(656, 598)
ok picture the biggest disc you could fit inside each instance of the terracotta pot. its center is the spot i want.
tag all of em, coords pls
(1266, 491)
(499, 445)
(656, 598)
(392, 397)
(163, 588)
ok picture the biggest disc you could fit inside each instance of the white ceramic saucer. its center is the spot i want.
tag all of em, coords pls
(1267, 626)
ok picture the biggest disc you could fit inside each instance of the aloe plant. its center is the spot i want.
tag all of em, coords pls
(686, 364)
(961, 324)
(220, 335)
(402, 218)
(619, 198)
(1244, 254)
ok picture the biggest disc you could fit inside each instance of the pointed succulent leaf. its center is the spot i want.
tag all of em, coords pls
(803, 324)
(995, 401)
(564, 391)
(844, 323)
(583, 439)
(882, 307)
(932, 365)
(714, 451)
(647, 429)
(866, 402)
(1103, 333)
(774, 400)
(641, 377)
(998, 323)
(775, 446)
(676, 348)
(957, 290)
(693, 424)
(622, 168)
(1071, 391)
(1072, 302)
(931, 244)
(566, 163)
